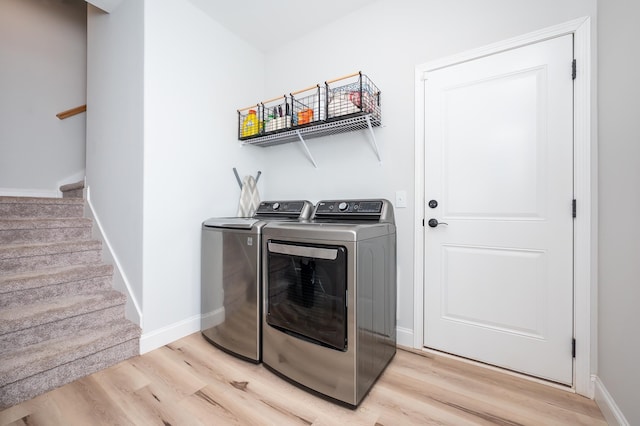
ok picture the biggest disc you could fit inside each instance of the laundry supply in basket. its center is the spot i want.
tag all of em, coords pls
(250, 124)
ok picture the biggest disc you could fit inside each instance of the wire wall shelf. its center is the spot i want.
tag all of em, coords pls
(320, 111)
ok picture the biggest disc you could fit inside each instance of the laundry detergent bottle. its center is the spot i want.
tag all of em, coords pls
(250, 124)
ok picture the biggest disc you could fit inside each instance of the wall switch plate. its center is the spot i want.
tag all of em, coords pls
(401, 199)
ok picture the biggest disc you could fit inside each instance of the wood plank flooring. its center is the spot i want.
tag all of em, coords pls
(190, 382)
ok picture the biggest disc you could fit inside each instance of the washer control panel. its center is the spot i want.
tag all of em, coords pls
(297, 208)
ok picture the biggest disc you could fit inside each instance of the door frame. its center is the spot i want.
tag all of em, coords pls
(584, 187)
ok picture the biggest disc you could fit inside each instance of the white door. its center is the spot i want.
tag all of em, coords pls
(499, 165)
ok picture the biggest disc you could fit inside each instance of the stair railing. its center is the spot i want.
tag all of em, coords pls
(71, 112)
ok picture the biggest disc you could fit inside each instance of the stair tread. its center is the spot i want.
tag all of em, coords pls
(40, 200)
(34, 207)
(44, 223)
(39, 383)
(20, 363)
(10, 251)
(20, 317)
(52, 276)
(72, 186)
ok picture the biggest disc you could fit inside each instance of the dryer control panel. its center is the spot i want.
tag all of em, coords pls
(378, 210)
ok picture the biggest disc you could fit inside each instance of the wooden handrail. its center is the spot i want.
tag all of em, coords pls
(71, 112)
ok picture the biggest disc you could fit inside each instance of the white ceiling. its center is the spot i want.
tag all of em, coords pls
(258, 21)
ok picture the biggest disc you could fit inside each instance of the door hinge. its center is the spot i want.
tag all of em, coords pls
(573, 348)
(574, 208)
(573, 70)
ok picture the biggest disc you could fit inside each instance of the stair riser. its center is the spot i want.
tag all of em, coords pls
(48, 235)
(75, 193)
(40, 383)
(31, 263)
(34, 210)
(62, 328)
(37, 294)
(54, 277)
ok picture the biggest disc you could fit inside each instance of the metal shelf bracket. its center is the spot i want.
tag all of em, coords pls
(304, 145)
(374, 144)
(349, 124)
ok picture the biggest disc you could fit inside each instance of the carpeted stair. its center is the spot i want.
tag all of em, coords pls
(60, 319)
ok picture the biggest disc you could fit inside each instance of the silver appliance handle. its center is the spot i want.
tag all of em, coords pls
(303, 251)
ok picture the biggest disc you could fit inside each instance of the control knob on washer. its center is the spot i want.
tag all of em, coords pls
(276, 206)
(342, 206)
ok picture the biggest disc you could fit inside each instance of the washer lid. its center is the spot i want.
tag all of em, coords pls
(230, 222)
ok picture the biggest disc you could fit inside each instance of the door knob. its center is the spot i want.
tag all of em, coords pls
(434, 222)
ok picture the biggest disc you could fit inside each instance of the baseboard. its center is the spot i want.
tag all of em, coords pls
(158, 338)
(608, 406)
(24, 192)
(404, 337)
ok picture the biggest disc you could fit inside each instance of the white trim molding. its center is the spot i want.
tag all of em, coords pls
(610, 410)
(165, 335)
(404, 337)
(585, 190)
(22, 192)
(121, 282)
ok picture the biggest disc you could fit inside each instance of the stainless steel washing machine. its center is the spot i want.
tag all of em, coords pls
(329, 316)
(231, 276)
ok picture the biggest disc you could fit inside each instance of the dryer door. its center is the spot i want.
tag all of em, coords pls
(307, 292)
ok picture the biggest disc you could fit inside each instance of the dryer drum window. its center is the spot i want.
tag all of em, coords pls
(307, 292)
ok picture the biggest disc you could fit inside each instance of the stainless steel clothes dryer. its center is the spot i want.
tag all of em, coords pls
(329, 317)
(231, 276)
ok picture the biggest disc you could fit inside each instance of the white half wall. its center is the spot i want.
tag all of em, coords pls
(115, 133)
(42, 72)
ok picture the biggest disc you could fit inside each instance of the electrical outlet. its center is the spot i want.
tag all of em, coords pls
(401, 199)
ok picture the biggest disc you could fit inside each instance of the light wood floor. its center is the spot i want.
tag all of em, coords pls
(190, 382)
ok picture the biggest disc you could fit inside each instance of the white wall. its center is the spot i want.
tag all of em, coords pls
(115, 134)
(386, 40)
(196, 75)
(42, 72)
(619, 203)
